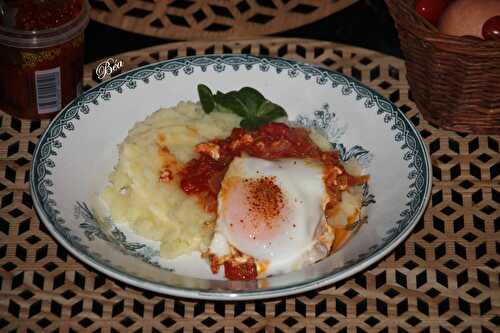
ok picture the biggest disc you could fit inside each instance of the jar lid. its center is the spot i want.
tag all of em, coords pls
(41, 23)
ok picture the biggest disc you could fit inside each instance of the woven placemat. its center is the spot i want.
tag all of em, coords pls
(212, 19)
(443, 278)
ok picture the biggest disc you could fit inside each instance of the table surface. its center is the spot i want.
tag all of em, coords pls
(443, 278)
(366, 23)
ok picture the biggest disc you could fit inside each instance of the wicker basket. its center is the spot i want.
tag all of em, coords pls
(455, 81)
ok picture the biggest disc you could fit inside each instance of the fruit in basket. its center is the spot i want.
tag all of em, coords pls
(491, 28)
(431, 10)
(467, 17)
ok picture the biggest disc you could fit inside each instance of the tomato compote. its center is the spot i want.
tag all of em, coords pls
(203, 176)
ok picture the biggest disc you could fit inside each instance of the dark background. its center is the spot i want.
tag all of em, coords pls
(366, 23)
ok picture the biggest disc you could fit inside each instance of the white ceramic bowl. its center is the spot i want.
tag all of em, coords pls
(79, 149)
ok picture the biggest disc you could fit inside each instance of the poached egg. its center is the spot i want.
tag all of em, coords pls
(273, 211)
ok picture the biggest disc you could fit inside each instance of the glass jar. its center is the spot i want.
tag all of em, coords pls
(41, 55)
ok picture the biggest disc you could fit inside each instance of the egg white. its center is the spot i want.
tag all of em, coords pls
(282, 245)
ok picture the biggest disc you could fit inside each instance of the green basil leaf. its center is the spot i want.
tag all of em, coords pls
(270, 111)
(228, 103)
(232, 93)
(219, 107)
(247, 102)
(206, 98)
(251, 98)
(252, 124)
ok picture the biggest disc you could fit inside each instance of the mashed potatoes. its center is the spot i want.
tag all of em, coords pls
(161, 210)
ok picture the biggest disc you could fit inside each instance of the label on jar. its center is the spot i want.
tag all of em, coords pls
(48, 90)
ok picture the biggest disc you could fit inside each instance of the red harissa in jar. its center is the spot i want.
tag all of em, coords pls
(41, 55)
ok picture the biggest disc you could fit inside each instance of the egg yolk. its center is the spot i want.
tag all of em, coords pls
(255, 208)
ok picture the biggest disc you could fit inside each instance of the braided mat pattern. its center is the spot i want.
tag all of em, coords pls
(213, 19)
(443, 278)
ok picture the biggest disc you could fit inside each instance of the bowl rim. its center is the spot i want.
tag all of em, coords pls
(226, 295)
